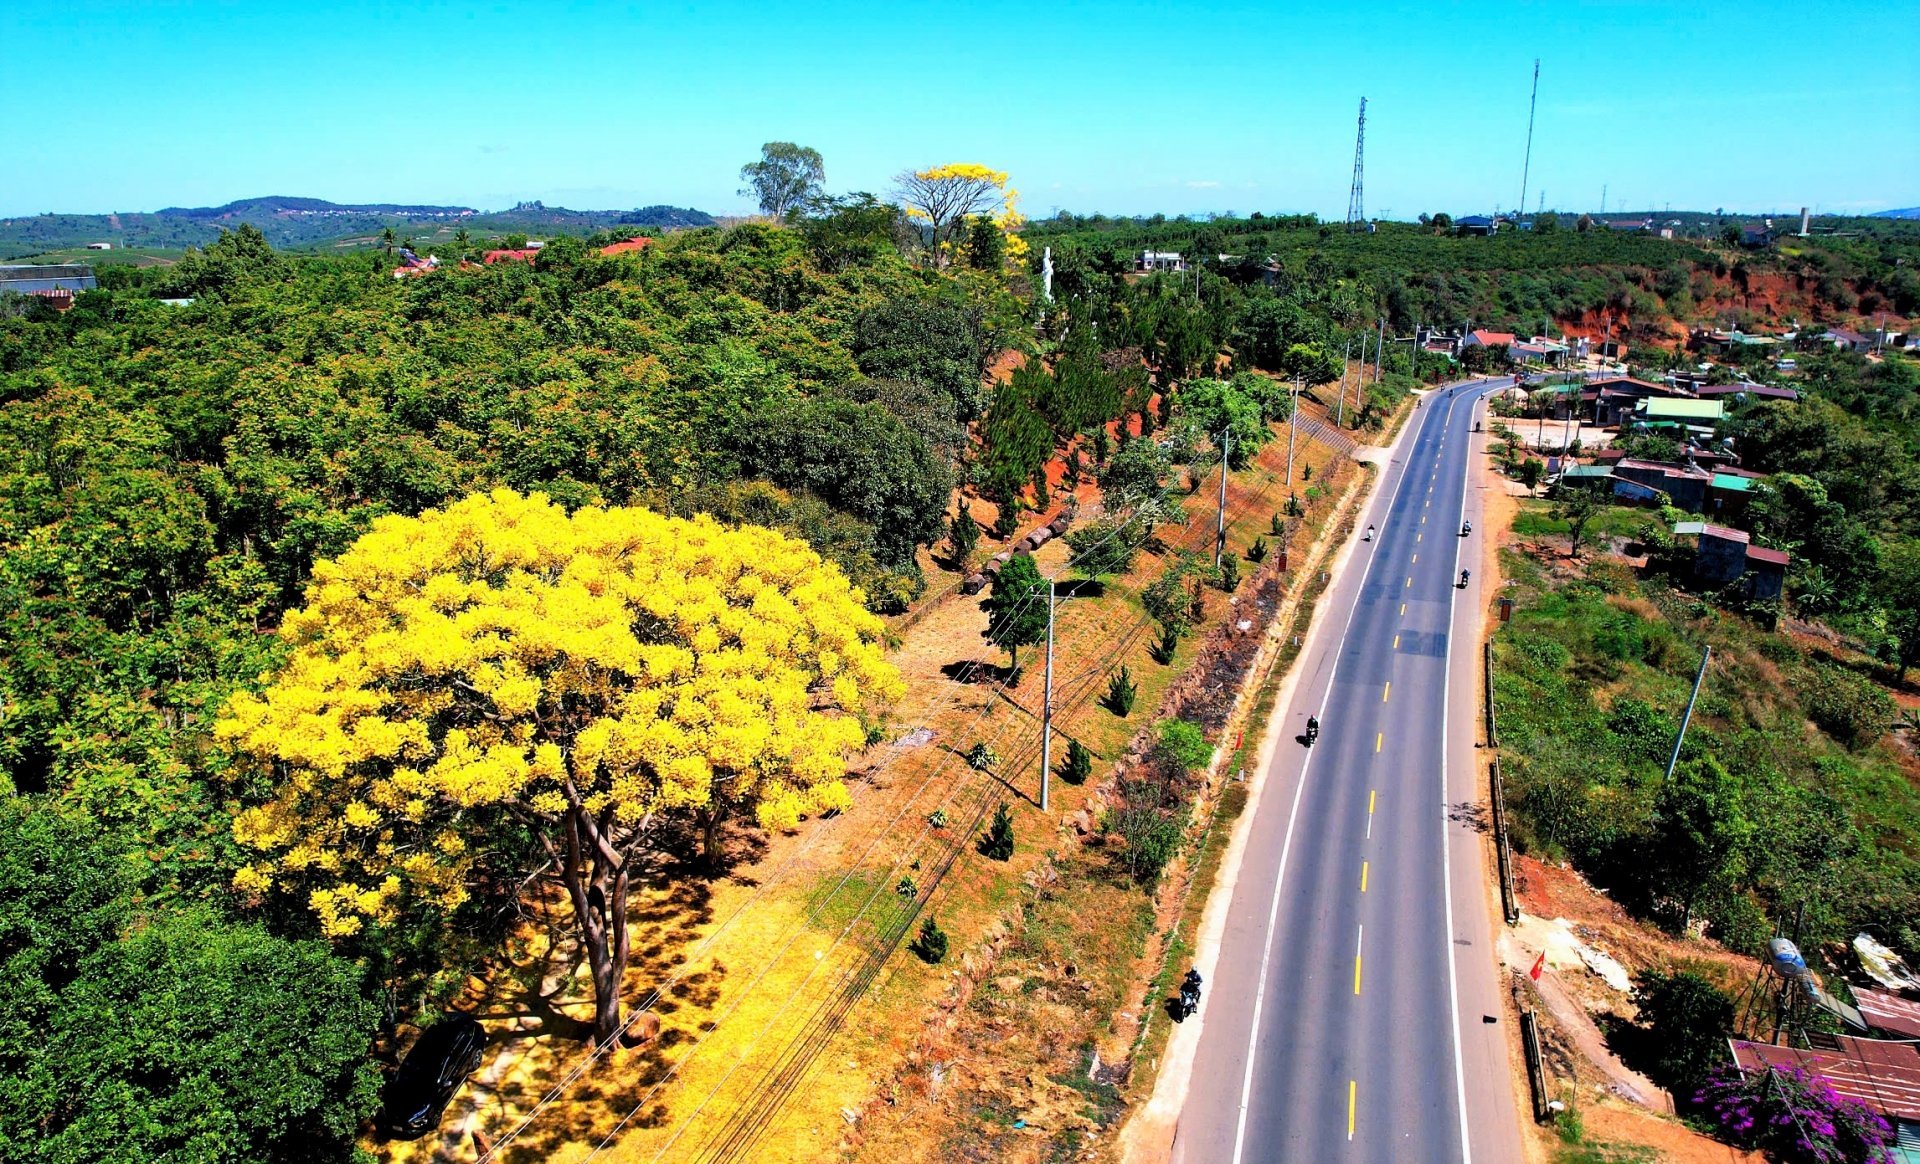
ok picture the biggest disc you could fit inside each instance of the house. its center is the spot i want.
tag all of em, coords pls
(1685, 484)
(99, 246)
(1883, 1075)
(1540, 350)
(1475, 224)
(627, 246)
(1627, 224)
(1742, 392)
(1613, 398)
(1890, 1015)
(1482, 338)
(1697, 416)
(68, 279)
(1848, 340)
(1728, 494)
(1160, 261)
(1727, 557)
(1756, 235)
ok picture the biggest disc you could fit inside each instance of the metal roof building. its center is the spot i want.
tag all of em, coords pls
(39, 278)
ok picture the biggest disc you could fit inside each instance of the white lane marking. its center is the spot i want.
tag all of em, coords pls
(1446, 848)
(1286, 846)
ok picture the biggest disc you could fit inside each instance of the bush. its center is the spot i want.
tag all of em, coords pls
(931, 946)
(1162, 650)
(1851, 708)
(1229, 572)
(981, 757)
(1078, 765)
(1120, 693)
(997, 845)
(1182, 748)
(1257, 552)
(1687, 1020)
(1149, 833)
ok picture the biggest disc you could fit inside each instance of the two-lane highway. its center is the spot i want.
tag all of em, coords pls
(1333, 1020)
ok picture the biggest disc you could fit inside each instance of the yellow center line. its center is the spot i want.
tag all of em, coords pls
(1403, 609)
(1396, 642)
(1378, 739)
(1371, 793)
(1386, 691)
(1358, 941)
(1370, 815)
(1363, 876)
(1416, 560)
(1353, 1097)
(1409, 582)
(1419, 537)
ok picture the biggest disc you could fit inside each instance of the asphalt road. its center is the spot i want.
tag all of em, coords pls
(1352, 1012)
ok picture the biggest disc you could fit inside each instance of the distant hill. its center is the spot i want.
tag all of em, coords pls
(1909, 212)
(292, 223)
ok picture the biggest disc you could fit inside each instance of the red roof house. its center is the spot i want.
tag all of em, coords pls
(627, 246)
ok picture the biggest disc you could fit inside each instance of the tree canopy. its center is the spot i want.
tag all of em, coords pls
(786, 177)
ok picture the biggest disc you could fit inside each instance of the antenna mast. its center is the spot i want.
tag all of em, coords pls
(1527, 165)
(1356, 201)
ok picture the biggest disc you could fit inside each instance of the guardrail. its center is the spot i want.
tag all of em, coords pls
(1503, 849)
(1536, 1066)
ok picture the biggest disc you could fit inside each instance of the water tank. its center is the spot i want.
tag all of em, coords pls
(1785, 959)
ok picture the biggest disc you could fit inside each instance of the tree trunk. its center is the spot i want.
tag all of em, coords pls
(597, 879)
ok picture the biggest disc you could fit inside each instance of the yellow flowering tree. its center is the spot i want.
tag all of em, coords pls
(500, 668)
(944, 197)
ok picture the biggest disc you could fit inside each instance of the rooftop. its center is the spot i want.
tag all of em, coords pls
(1666, 467)
(1772, 557)
(1888, 1012)
(1884, 1076)
(1670, 409)
(1733, 481)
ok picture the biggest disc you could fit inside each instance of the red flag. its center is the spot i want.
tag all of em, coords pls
(1539, 964)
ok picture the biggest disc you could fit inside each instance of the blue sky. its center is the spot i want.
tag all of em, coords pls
(1126, 108)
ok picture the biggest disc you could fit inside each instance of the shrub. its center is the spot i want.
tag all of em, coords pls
(908, 888)
(1150, 834)
(1229, 572)
(1849, 707)
(1182, 748)
(1257, 552)
(963, 535)
(1687, 1019)
(998, 843)
(931, 946)
(1276, 527)
(1162, 650)
(937, 818)
(1120, 693)
(1078, 765)
(981, 757)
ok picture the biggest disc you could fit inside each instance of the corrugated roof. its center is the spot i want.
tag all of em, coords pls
(1888, 1011)
(1763, 554)
(1884, 1076)
(1590, 471)
(1687, 528)
(1733, 482)
(1682, 409)
(1725, 534)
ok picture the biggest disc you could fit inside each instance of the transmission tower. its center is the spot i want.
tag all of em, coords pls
(1356, 201)
(1527, 165)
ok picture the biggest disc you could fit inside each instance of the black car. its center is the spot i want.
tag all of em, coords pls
(439, 1062)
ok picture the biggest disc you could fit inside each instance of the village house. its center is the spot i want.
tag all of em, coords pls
(1727, 557)
(1882, 1074)
(1160, 261)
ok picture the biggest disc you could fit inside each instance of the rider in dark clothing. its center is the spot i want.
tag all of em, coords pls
(1190, 991)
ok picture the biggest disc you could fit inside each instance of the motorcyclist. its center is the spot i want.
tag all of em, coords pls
(1190, 991)
(1463, 579)
(1313, 728)
(1369, 536)
(1466, 527)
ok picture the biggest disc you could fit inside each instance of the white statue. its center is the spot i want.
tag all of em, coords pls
(1046, 274)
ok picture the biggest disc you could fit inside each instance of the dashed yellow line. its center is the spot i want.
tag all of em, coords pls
(1409, 584)
(1415, 561)
(1396, 642)
(1386, 691)
(1353, 1098)
(1379, 738)
(1363, 876)
(1419, 537)
(1371, 793)
(1403, 610)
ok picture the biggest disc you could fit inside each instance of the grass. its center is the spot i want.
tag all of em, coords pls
(1535, 520)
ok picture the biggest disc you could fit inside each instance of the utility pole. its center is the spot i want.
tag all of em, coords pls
(1340, 409)
(1293, 426)
(1379, 345)
(1220, 523)
(1674, 759)
(1046, 709)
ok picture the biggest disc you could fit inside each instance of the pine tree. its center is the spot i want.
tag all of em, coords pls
(931, 946)
(1079, 763)
(998, 843)
(1120, 693)
(963, 535)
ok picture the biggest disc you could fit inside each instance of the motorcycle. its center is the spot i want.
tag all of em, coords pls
(1466, 528)
(1313, 730)
(1463, 579)
(1369, 535)
(1189, 994)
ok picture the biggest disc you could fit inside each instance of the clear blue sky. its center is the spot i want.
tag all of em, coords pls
(1173, 106)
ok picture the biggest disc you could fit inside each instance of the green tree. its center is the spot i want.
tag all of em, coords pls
(1078, 764)
(1686, 1020)
(931, 946)
(1121, 693)
(786, 177)
(997, 844)
(1016, 608)
(1223, 412)
(1181, 749)
(986, 245)
(963, 534)
(1576, 507)
(1699, 827)
(1102, 547)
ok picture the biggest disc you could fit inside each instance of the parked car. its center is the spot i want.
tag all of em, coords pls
(438, 1063)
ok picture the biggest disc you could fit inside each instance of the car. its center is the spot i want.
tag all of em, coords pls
(416, 1095)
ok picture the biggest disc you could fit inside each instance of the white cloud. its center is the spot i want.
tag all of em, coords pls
(1209, 185)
